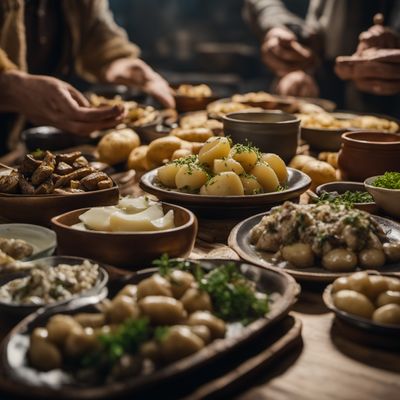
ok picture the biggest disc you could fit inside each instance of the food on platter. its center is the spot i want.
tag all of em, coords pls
(324, 120)
(196, 91)
(389, 180)
(335, 236)
(135, 115)
(200, 119)
(220, 108)
(223, 169)
(116, 145)
(137, 159)
(319, 171)
(138, 214)
(166, 317)
(43, 172)
(46, 284)
(18, 249)
(348, 197)
(253, 97)
(374, 297)
(331, 157)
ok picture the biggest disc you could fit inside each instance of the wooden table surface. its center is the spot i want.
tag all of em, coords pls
(333, 362)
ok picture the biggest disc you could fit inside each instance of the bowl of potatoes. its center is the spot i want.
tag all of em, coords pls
(226, 180)
(367, 300)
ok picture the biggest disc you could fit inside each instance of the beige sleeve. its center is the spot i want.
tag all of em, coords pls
(102, 41)
(5, 63)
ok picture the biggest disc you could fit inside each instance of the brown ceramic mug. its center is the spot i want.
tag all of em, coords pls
(368, 153)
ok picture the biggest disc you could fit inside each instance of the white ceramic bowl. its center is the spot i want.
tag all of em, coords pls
(387, 199)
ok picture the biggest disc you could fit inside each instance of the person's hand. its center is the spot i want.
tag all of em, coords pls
(45, 100)
(378, 36)
(375, 72)
(282, 53)
(297, 83)
(135, 72)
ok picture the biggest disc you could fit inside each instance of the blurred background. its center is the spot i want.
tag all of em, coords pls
(198, 40)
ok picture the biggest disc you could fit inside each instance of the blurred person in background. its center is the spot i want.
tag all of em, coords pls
(303, 53)
(42, 42)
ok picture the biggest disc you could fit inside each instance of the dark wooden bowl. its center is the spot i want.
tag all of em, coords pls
(21, 378)
(129, 250)
(40, 209)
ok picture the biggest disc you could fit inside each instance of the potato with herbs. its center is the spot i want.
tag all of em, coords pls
(214, 148)
(116, 146)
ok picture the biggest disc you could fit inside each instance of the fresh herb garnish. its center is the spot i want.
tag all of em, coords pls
(389, 180)
(347, 197)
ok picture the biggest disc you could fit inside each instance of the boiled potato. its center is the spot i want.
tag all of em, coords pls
(215, 325)
(162, 149)
(388, 297)
(245, 155)
(195, 299)
(360, 282)
(353, 303)
(377, 285)
(213, 148)
(39, 334)
(299, 161)
(202, 332)
(90, 320)
(156, 285)
(392, 251)
(137, 159)
(372, 258)
(226, 165)
(393, 283)
(179, 342)
(122, 308)
(127, 367)
(44, 355)
(98, 218)
(266, 177)
(192, 134)
(162, 310)
(181, 153)
(339, 260)
(387, 314)
(190, 177)
(320, 172)
(59, 327)
(116, 146)
(167, 174)
(250, 185)
(180, 282)
(80, 342)
(298, 254)
(128, 290)
(224, 184)
(151, 350)
(278, 165)
(341, 284)
(195, 147)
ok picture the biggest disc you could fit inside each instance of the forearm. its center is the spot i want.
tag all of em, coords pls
(10, 89)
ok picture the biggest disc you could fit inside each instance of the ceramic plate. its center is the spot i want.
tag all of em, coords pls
(227, 206)
(239, 240)
(59, 384)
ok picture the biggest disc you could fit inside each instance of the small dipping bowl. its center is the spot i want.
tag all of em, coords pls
(368, 153)
(387, 199)
(345, 186)
(271, 131)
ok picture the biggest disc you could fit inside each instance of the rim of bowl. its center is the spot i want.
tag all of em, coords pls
(368, 184)
(192, 220)
(291, 117)
(348, 136)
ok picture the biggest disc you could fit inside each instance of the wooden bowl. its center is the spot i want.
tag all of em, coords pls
(227, 206)
(129, 250)
(40, 209)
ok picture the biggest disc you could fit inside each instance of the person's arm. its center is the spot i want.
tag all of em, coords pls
(107, 55)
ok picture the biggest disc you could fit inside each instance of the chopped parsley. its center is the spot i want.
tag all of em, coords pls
(347, 197)
(389, 180)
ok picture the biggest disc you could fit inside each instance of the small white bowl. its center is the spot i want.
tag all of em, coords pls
(387, 199)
